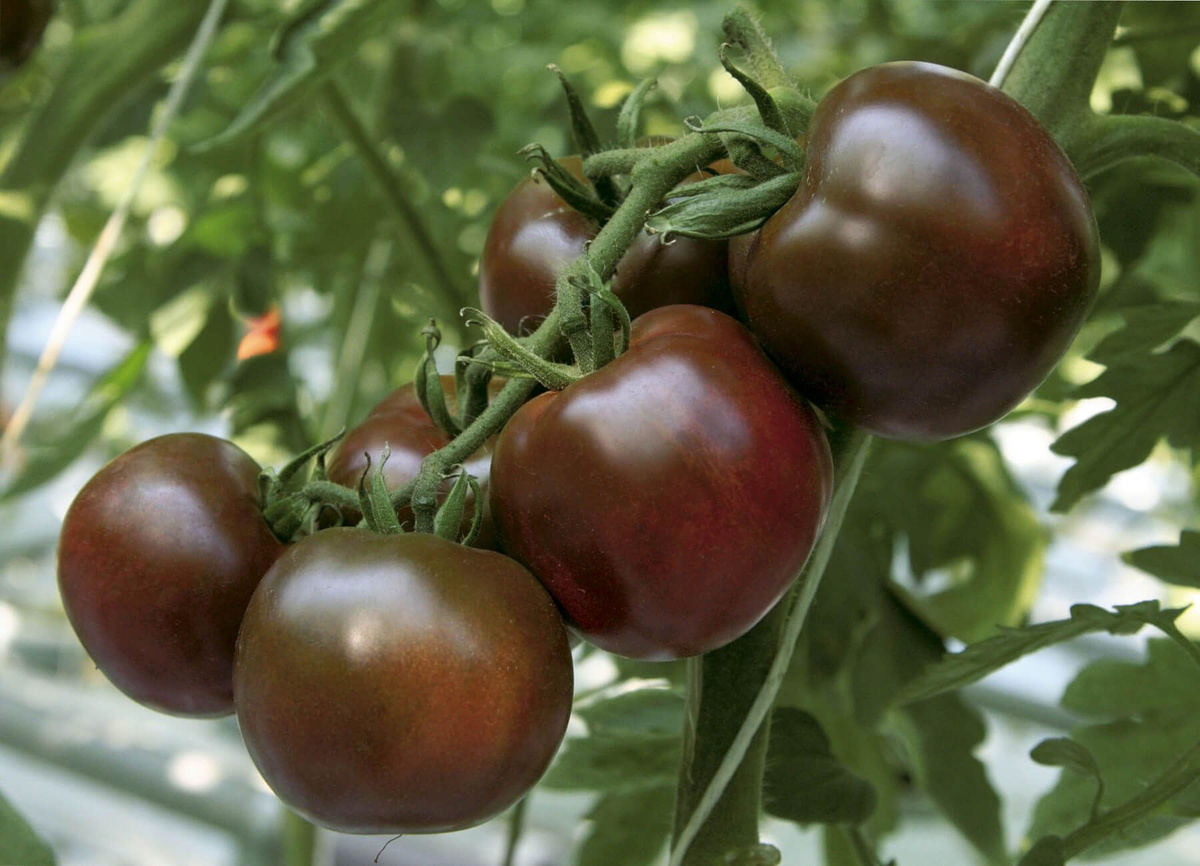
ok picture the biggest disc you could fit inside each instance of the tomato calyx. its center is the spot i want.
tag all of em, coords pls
(428, 384)
(524, 362)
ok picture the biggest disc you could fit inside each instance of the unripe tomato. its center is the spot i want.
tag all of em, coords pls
(535, 235)
(936, 261)
(400, 683)
(402, 424)
(667, 500)
(158, 557)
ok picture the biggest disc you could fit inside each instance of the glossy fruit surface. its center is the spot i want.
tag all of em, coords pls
(400, 683)
(936, 261)
(535, 234)
(401, 423)
(667, 500)
(158, 557)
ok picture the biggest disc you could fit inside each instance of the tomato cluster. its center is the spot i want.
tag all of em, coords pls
(937, 258)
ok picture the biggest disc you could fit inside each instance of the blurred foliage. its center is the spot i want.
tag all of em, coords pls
(281, 211)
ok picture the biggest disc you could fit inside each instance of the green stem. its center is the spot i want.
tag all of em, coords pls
(734, 751)
(107, 63)
(610, 162)
(516, 827)
(448, 290)
(301, 844)
(743, 31)
(1178, 777)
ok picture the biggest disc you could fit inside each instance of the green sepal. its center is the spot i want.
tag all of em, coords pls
(286, 515)
(549, 374)
(293, 467)
(630, 116)
(785, 144)
(747, 156)
(568, 187)
(471, 381)
(607, 313)
(586, 137)
(449, 516)
(428, 384)
(723, 206)
(767, 109)
(374, 501)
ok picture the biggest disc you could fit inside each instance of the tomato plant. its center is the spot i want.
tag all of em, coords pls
(936, 261)
(643, 494)
(535, 234)
(400, 423)
(400, 683)
(157, 560)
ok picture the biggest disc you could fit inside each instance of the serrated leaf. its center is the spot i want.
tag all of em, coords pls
(941, 736)
(633, 741)
(1146, 328)
(318, 37)
(630, 828)
(55, 451)
(1179, 565)
(1047, 851)
(1157, 396)
(983, 658)
(1148, 715)
(804, 782)
(19, 844)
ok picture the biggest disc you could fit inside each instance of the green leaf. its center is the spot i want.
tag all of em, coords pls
(1157, 396)
(58, 448)
(804, 781)
(1065, 752)
(633, 742)
(1179, 565)
(630, 828)
(1048, 851)
(19, 845)
(980, 659)
(1146, 329)
(1147, 715)
(941, 736)
(319, 36)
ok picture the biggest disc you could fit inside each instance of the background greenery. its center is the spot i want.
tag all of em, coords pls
(943, 541)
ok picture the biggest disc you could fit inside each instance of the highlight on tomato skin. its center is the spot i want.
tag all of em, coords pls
(401, 683)
(158, 557)
(935, 263)
(669, 499)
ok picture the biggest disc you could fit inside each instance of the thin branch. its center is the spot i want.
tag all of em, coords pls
(85, 285)
(516, 828)
(1032, 19)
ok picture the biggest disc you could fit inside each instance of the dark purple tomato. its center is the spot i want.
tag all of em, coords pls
(22, 23)
(535, 234)
(400, 683)
(669, 499)
(401, 423)
(935, 263)
(158, 557)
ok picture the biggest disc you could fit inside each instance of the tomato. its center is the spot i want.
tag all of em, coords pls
(667, 500)
(158, 557)
(400, 683)
(24, 23)
(401, 423)
(936, 261)
(535, 234)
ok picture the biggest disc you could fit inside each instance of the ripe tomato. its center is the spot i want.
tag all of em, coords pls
(936, 261)
(158, 557)
(535, 234)
(401, 423)
(400, 683)
(667, 500)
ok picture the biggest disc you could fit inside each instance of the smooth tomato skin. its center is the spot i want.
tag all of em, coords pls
(400, 683)
(535, 235)
(935, 263)
(667, 500)
(158, 557)
(400, 422)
